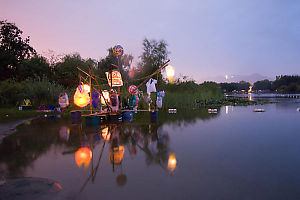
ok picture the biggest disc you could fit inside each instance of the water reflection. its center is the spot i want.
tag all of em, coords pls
(64, 133)
(219, 155)
(146, 138)
(172, 162)
(86, 145)
(83, 157)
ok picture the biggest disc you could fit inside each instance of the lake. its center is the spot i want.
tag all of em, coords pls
(234, 154)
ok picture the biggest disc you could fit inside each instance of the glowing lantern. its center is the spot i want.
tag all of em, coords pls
(118, 50)
(116, 154)
(83, 157)
(131, 72)
(170, 73)
(116, 79)
(81, 96)
(86, 88)
(106, 96)
(133, 89)
(172, 162)
(105, 134)
(63, 100)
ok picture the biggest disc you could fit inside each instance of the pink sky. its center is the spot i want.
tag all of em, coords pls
(206, 38)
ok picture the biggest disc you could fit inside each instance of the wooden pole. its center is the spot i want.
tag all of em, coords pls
(97, 85)
(156, 92)
(91, 108)
(157, 71)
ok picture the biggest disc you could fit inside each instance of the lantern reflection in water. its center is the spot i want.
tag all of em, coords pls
(83, 157)
(105, 134)
(64, 133)
(172, 162)
(116, 154)
(81, 96)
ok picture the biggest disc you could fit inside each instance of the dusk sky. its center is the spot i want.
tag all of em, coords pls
(206, 38)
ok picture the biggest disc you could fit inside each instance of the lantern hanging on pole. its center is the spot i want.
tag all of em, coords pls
(81, 96)
(105, 94)
(116, 79)
(131, 72)
(133, 89)
(118, 50)
(170, 73)
(63, 100)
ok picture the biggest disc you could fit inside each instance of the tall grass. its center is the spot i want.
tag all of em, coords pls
(186, 94)
(39, 91)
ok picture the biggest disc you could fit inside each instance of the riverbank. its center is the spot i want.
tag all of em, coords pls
(10, 127)
(8, 115)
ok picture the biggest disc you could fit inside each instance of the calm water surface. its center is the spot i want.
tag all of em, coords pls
(235, 154)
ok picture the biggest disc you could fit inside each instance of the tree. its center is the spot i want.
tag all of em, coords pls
(286, 84)
(243, 85)
(13, 49)
(262, 85)
(36, 66)
(230, 87)
(154, 55)
(66, 72)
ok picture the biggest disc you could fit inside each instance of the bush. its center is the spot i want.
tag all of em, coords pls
(10, 92)
(42, 91)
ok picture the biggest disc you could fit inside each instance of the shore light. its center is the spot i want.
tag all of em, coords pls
(81, 96)
(172, 162)
(170, 71)
(250, 89)
(83, 157)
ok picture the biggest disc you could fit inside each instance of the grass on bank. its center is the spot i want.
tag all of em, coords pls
(13, 114)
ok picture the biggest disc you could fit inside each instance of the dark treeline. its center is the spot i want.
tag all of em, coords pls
(26, 74)
(234, 86)
(282, 84)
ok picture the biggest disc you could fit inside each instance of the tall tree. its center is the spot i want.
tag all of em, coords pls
(13, 49)
(262, 85)
(154, 55)
(66, 72)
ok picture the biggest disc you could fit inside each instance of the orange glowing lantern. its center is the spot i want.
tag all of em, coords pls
(81, 96)
(170, 73)
(116, 79)
(106, 96)
(83, 157)
(116, 154)
(172, 162)
(105, 134)
(131, 72)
